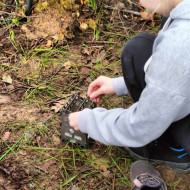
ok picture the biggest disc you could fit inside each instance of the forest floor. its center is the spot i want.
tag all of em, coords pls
(44, 58)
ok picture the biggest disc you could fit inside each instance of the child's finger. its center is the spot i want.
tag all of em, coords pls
(98, 99)
(96, 93)
(91, 88)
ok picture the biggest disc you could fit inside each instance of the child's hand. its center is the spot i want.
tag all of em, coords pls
(73, 120)
(101, 86)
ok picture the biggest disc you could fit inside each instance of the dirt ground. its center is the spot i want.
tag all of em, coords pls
(45, 58)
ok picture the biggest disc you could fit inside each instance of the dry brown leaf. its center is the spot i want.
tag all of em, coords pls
(22, 152)
(56, 140)
(86, 51)
(68, 64)
(58, 105)
(107, 174)
(4, 99)
(6, 135)
(120, 6)
(85, 70)
(146, 15)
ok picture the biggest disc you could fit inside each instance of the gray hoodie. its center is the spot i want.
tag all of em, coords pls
(165, 99)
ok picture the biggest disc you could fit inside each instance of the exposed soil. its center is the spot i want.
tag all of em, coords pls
(44, 58)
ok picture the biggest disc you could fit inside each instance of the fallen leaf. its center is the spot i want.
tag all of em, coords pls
(68, 64)
(58, 105)
(83, 26)
(98, 162)
(107, 174)
(146, 15)
(49, 44)
(41, 87)
(86, 51)
(120, 6)
(4, 99)
(59, 36)
(22, 152)
(29, 134)
(7, 78)
(37, 20)
(85, 71)
(41, 6)
(56, 140)
(6, 136)
(10, 87)
(92, 24)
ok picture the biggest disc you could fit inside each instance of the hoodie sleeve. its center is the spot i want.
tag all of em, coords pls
(165, 99)
(120, 86)
(136, 126)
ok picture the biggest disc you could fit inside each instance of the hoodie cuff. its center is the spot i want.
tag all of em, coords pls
(82, 120)
(120, 86)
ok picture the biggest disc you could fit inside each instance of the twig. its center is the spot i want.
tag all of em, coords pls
(97, 46)
(3, 169)
(46, 172)
(13, 14)
(100, 42)
(3, 186)
(55, 100)
(124, 11)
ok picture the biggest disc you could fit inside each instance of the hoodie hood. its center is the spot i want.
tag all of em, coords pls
(181, 11)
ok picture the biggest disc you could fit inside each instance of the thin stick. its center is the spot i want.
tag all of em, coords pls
(124, 11)
(41, 169)
(100, 42)
(3, 169)
(13, 14)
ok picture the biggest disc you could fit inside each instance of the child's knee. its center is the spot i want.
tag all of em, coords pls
(139, 45)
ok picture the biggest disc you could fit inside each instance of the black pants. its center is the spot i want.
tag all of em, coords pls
(133, 58)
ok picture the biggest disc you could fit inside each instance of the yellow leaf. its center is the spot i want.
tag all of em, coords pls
(45, 4)
(49, 43)
(37, 20)
(41, 6)
(92, 24)
(41, 87)
(59, 36)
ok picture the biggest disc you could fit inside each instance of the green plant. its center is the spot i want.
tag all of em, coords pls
(93, 4)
